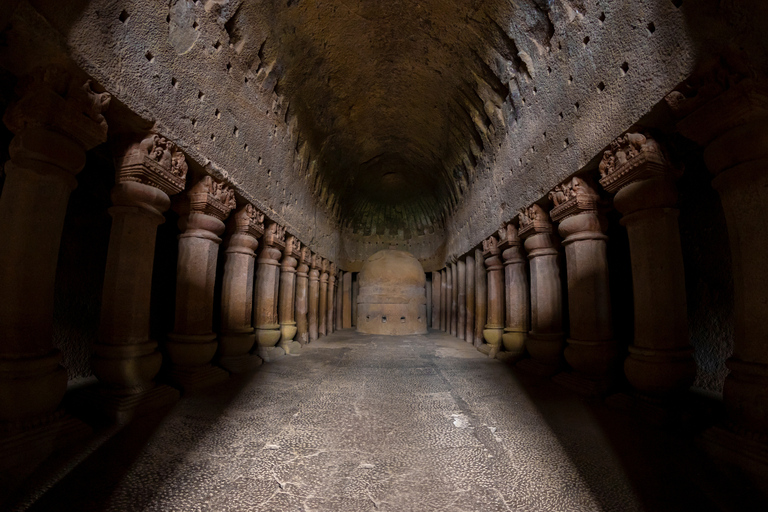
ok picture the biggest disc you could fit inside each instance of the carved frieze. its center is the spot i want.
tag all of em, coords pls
(211, 197)
(632, 157)
(154, 161)
(249, 220)
(51, 98)
(533, 220)
(491, 246)
(274, 236)
(576, 195)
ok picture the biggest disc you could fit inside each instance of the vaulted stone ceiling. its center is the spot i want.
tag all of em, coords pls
(394, 101)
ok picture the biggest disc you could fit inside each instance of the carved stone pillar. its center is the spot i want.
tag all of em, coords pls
(287, 295)
(516, 296)
(55, 121)
(660, 359)
(728, 116)
(302, 296)
(237, 333)
(192, 344)
(461, 298)
(354, 299)
(436, 285)
(331, 300)
(469, 328)
(346, 303)
(481, 297)
(494, 327)
(450, 301)
(125, 359)
(339, 313)
(444, 300)
(545, 339)
(591, 351)
(323, 310)
(454, 297)
(314, 296)
(265, 312)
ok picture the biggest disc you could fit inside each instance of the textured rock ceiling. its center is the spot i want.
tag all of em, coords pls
(394, 100)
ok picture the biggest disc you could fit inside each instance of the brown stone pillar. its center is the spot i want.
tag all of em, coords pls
(591, 351)
(237, 336)
(730, 119)
(322, 324)
(494, 327)
(54, 122)
(428, 290)
(192, 344)
(481, 298)
(331, 300)
(354, 299)
(660, 359)
(545, 339)
(436, 289)
(286, 309)
(516, 296)
(125, 359)
(302, 296)
(339, 311)
(314, 297)
(450, 300)
(461, 298)
(265, 311)
(346, 302)
(444, 316)
(469, 329)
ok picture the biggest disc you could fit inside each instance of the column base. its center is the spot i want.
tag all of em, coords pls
(234, 352)
(269, 354)
(509, 357)
(267, 335)
(288, 331)
(122, 408)
(660, 372)
(290, 347)
(240, 364)
(546, 349)
(583, 385)
(514, 341)
(23, 452)
(193, 378)
(744, 451)
(536, 368)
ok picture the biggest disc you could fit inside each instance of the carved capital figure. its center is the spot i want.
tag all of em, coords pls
(211, 197)
(633, 157)
(154, 161)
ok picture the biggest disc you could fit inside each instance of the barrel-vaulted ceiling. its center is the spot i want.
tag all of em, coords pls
(394, 100)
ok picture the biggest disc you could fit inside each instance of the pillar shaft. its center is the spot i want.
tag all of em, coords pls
(354, 299)
(323, 309)
(302, 296)
(331, 299)
(451, 301)
(733, 128)
(444, 316)
(660, 359)
(287, 293)
(494, 326)
(461, 298)
(339, 312)
(436, 285)
(545, 339)
(47, 151)
(265, 312)
(481, 297)
(347, 301)
(314, 297)
(469, 329)
(516, 290)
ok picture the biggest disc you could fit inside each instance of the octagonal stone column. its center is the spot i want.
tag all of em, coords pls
(125, 359)
(287, 295)
(237, 337)
(591, 351)
(436, 310)
(516, 297)
(314, 296)
(545, 339)
(265, 314)
(302, 296)
(55, 121)
(461, 298)
(454, 297)
(481, 297)
(450, 301)
(444, 316)
(726, 112)
(192, 344)
(339, 312)
(660, 361)
(494, 326)
(322, 313)
(469, 328)
(331, 300)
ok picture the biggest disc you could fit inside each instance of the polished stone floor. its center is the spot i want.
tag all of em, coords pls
(373, 423)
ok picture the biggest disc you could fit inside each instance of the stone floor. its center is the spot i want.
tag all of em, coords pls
(414, 423)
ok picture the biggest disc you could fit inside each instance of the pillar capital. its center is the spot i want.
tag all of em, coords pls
(247, 227)
(50, 98)
(291, 254)
(576, 210)
(323, 270)
(274, 243)
(305, 257)
(510, 244)
(153, 160)
(533, 221)
(211, 197)
(634, 157)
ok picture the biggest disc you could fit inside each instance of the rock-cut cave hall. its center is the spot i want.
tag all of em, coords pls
(368, 255)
